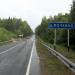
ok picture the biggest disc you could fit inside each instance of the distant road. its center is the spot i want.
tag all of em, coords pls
(14, 57)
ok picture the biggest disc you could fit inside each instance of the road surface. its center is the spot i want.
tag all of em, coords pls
(14, 57)
(35, 62)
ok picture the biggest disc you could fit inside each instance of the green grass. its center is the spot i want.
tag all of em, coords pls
(5, 35)
(49, 64)
(63, 50)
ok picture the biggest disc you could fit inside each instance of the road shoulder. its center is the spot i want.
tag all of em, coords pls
(50, 65)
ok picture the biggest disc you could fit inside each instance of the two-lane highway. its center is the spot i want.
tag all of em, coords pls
(14, 58)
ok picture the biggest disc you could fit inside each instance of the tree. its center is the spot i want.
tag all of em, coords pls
(72, 12)
(48, 34)
(16, 26)
(72, 19)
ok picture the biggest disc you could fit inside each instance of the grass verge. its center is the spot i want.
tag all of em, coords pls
(50, 65)
(5, 35)
(64, 51)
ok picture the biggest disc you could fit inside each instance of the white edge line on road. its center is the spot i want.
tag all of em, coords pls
(10, 49)
(28, 68)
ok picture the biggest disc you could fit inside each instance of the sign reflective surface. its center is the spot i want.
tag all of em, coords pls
(61, 25)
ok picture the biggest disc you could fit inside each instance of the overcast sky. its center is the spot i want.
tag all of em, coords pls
(33, 10)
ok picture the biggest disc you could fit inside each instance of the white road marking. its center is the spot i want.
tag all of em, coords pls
(11, 48)
(28, 68)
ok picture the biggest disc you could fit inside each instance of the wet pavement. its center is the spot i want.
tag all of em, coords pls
(14, 57)
(35, 63)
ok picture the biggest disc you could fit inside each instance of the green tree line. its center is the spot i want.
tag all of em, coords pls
(12, 27)
(48, 34)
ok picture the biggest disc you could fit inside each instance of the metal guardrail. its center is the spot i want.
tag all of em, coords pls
(62, 58)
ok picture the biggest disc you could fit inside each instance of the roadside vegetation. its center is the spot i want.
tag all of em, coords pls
(12, 28)
(49, 64)
(47, 35)
(5, 35)
(62, 49)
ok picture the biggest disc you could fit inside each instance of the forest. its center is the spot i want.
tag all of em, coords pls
(47, 34)
(12, 27)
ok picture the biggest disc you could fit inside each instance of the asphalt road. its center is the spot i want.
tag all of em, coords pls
(14, 57)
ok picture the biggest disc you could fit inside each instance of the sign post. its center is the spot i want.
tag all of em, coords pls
(68, 40)
(55, 39)
(61, 25)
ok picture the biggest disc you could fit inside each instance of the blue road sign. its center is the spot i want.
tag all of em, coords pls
(61, 25)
